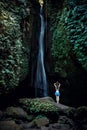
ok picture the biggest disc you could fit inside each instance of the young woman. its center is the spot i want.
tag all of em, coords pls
(57, 93)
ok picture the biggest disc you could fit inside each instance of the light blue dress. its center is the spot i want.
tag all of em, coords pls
(57, 93)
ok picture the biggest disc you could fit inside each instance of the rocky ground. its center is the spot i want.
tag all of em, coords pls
(42, 114)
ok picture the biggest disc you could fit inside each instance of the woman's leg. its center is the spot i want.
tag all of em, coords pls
(57, 99)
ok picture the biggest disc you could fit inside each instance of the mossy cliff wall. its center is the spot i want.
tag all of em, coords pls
(66, 55)
(15, 33)
(67, 36)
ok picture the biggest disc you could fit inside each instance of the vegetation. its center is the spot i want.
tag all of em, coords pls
(67, 21)
(69, 36)
(10, 48)
(76, 25)
(38, 106)
(13, 52)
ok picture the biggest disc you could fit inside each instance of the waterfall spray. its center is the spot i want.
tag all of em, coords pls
(40, 80)
(41, 2)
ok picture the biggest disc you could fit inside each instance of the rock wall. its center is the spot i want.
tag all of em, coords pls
(15, 34)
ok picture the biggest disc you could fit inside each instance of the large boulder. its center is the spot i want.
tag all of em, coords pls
(43, 121)
(43, 106)
(9, 125)
(16, 112)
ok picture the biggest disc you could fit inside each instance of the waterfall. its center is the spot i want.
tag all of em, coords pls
(40, 80)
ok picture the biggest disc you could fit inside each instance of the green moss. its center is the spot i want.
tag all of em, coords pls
(38, 106)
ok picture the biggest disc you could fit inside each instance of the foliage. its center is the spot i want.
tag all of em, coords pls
(76, 25)
(38, 106)
(61, 48)
(11, 50)
(14, 56)
(69, 36)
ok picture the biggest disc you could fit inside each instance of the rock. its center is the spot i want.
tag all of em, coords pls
(64, 123)
(47, 99)
(1, 114)
(58, 126)
(44, 128)
(46, 103)
(63, 107)
(41, 121)
(27, 125)
(9, 125)
(32, 129)
(65, 120)
(84, 127)
(16, 112)
(81, 113)
(45, 106)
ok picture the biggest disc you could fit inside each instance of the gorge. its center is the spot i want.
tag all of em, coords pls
(63, 55)
(41, 42)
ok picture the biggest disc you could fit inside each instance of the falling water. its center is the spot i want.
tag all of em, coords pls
(40, 81)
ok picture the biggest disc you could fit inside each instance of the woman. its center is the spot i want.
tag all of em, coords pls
(57, 93)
